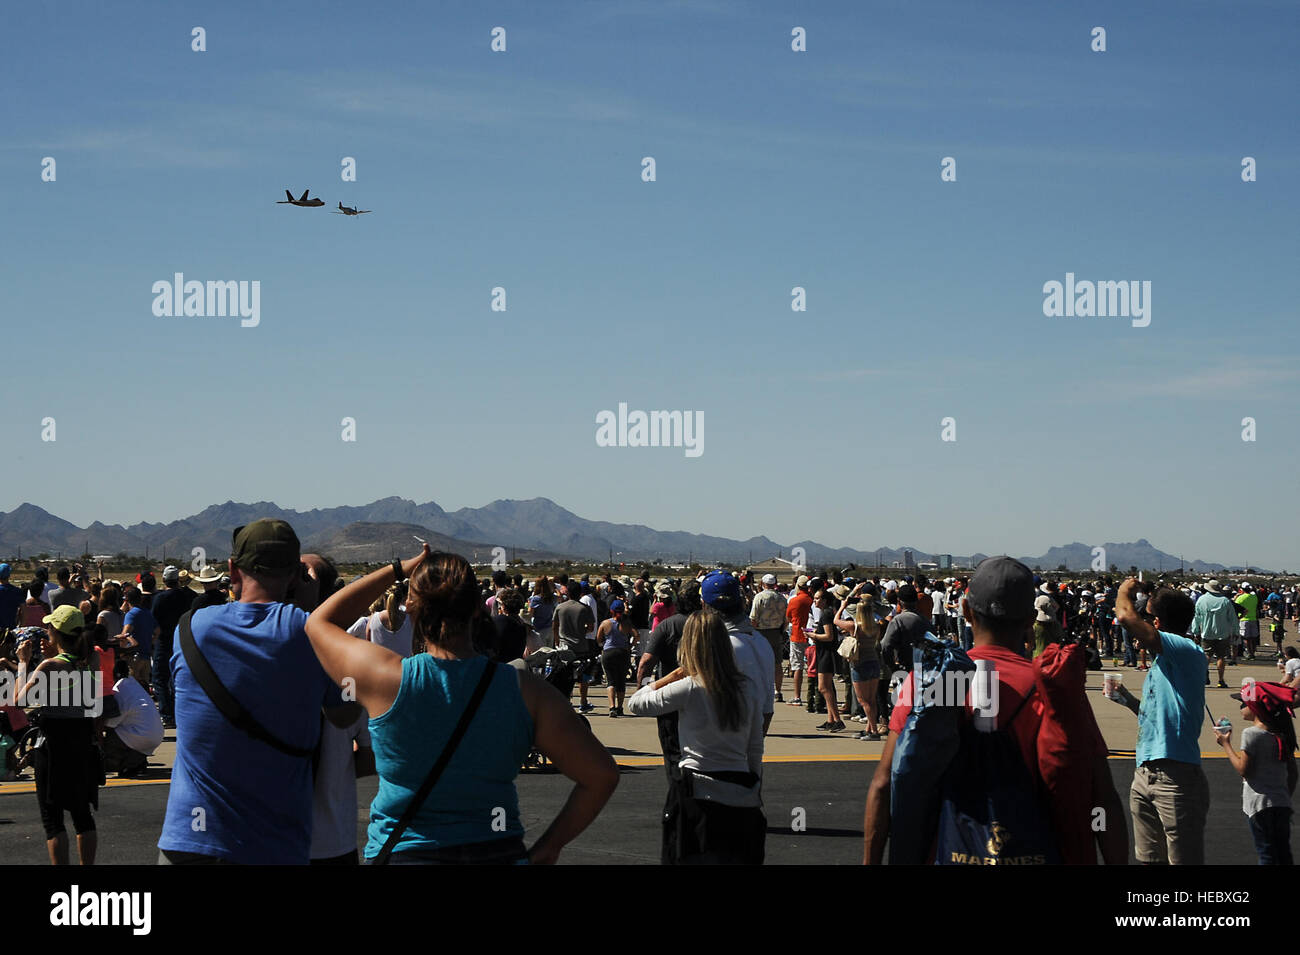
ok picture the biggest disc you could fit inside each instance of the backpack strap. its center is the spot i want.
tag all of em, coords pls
(216, 691)
(315, 753)
(408, 815)
(1032, 690)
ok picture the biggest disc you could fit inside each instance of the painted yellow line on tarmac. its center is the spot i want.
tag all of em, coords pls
(1129, 754)
(630, 762)
(8, 788)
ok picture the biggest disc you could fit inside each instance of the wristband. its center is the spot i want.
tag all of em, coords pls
(397, 570)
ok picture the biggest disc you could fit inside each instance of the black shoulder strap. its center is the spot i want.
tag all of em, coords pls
(1032, 690)
(489, 671)
(230, 708)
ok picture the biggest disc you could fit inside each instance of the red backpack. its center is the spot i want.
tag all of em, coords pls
(1066, 750)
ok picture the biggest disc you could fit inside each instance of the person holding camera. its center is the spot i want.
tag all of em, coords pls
(243, 756)
(827, 641)
(864, 666)
(67, 763)
(11, 599)
(714, 811)
(1170, 797)
(139, 632)
(451, 728)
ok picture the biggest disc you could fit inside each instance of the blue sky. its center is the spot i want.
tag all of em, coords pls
(774, 169)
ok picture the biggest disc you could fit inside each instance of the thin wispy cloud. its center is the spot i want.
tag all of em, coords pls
(450, 98)
(1208, 380)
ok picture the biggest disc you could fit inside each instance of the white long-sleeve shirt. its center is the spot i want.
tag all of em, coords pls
(706, 746)
(755, 659)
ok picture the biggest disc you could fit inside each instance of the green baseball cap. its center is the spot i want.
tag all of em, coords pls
(65, 619)
(265, 546)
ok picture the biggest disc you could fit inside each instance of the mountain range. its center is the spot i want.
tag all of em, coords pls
(530, 530)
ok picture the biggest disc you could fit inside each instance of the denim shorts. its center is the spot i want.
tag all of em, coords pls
(866, 670)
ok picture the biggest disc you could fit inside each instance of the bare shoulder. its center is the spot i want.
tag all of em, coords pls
(534, 689)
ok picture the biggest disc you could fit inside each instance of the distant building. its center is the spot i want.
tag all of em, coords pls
(908, 562)
(927, 565)
(945, 561)
(782, 570)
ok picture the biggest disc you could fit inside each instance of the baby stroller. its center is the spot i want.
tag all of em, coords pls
(561, 669)
(18, 736)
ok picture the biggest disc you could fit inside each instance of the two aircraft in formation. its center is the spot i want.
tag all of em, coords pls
(306, 203)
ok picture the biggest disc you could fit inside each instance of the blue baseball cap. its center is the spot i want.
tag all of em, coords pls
(617, 607)
(5, 570)
(719, 587)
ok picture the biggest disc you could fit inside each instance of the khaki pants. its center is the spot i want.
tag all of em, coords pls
(1169, 801)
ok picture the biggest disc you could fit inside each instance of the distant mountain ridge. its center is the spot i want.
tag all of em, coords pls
(529, 529)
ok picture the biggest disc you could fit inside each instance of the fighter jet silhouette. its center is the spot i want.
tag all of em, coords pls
(350, 211)
(300, 201)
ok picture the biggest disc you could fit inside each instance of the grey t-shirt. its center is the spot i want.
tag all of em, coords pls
(573, 615)
(1265, 785)
(903, 631)
(71, 596)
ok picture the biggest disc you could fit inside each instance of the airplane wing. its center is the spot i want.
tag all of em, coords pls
(362, 212)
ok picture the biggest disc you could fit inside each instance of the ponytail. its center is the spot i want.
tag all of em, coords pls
(1286, 729)
(1281, 726)
(396, 616)
(82, 644)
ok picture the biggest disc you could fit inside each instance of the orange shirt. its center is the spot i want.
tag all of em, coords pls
(797, 611)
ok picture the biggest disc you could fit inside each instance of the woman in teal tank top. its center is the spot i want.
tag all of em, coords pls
(472, 813)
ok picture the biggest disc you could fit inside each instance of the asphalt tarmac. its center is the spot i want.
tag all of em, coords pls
(824, 799)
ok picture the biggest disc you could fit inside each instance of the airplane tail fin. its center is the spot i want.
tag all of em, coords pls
(304, 195)
(289, 194)
(340, 205)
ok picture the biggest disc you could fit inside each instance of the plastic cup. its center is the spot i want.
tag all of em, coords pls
(1110, 684)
